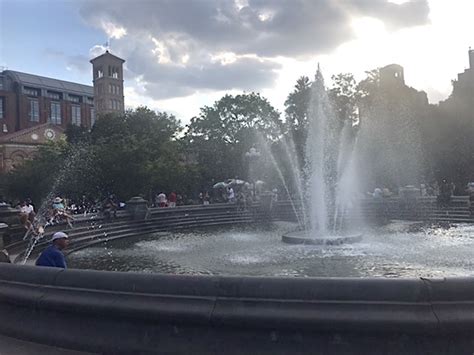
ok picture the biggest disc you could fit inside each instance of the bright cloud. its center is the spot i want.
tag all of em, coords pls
(189, 53)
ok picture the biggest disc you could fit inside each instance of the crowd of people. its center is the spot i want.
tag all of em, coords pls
(443, 192)
(61, 210)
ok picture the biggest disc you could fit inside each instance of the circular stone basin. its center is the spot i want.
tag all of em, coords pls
(302, 237)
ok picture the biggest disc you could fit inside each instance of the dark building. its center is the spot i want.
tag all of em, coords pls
(463, 88)
(392, 76)
(390, 150)
(35, 109)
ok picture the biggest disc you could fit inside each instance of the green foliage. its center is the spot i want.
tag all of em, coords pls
(296, 114)
(128, 154)
(344, 95)
(219, 137)
(233, 118)
(370, 85)
(297, 104)
(34, 178)
(144, 152)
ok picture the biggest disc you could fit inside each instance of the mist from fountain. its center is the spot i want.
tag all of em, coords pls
(42, 221)
(295, 169)
(330, 172)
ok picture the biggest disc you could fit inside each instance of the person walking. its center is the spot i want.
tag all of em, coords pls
(53, 256)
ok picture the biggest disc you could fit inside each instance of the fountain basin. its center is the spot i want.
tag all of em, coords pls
(303, 237)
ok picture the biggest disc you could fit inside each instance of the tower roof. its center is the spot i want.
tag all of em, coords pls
(107, 54)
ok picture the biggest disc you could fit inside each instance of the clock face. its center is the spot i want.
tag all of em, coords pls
(49, 133)
(34, 136)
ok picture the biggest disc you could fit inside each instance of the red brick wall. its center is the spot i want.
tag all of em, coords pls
(45, 108)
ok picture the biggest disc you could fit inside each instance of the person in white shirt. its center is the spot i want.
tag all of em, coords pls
(27, 214)
(161, 199)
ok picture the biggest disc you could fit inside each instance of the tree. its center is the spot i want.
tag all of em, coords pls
(127, 154)
(296, 114)
(35, 177)
(126, 145)
(370, 85)
(344, 95)
(219, 137)
(297, 105)
(232, 117)
(391, 149)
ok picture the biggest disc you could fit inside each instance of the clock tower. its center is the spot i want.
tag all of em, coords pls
(107, 71)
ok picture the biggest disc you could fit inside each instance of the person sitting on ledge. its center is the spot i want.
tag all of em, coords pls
(52, 256)
(59, 212)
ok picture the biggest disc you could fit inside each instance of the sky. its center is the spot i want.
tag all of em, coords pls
(184, 54)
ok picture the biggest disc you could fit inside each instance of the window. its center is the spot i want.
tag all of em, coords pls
(76, 115)
(55, 114)
(2, 107)
(113, 72)
(30, 91)
(34, 110)
(114, 104)
(5, 128)
(74, 98)
(54, 95)
(114, 89)
(89, 100)
(92, 117)
(99, 73)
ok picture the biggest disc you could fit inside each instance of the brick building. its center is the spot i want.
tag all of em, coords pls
(34, 109)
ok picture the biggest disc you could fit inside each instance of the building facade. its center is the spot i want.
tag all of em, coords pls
(18, 146)
(35, 109)
(28, 100)
(107, 73)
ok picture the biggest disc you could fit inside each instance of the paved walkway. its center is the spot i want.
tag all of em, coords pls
(12, 346)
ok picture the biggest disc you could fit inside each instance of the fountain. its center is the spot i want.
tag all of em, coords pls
(329, 173)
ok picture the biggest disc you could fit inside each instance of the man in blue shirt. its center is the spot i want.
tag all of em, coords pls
(52, 256)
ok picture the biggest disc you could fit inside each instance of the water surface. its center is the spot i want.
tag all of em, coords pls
(389, 251)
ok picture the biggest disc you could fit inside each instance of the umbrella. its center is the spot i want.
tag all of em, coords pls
(220, 185)
(259, 183)
(236, 182)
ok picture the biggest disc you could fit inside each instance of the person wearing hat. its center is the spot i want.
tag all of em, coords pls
(53, 256)
(58, 203)
(59, 212)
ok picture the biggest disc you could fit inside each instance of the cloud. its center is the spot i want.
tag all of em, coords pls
(75, 62)
(166, 80)
(180, 47)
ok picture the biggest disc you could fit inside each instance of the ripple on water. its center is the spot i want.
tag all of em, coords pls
(246, 259)
(388, 252)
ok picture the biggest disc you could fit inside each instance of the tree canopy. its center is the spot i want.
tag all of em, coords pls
(144, 152)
